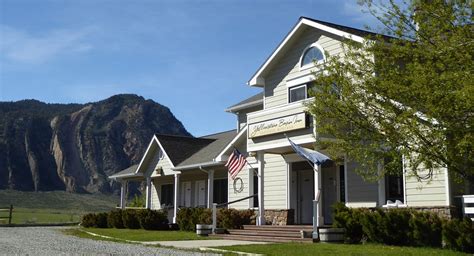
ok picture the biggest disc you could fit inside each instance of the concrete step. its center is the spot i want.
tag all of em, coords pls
(278, 228)
(273, 239)
(271, 233)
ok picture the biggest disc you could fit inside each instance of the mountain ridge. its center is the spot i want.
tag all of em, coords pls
(74, 147)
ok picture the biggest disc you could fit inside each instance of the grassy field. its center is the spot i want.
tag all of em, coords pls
(135, 234)
(337, 249)
(53, 206)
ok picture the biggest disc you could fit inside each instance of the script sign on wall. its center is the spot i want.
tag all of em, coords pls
(277, 125)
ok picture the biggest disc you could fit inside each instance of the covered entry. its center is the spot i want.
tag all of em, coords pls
(302, 190)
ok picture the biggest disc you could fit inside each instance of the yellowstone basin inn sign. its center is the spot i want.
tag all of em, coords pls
(277, 125)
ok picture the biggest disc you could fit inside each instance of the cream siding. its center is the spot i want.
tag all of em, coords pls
(426, 193)
(288, 66)
(233, 195)
(275, 182)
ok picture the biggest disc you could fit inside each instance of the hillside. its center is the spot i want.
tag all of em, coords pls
(74, 147)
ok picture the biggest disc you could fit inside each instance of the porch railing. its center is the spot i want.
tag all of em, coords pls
(468, 206)
(215, 206)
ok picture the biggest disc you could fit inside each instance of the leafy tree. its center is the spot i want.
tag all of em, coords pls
(407, 90)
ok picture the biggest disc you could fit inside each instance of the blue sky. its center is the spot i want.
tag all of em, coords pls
(194, 57)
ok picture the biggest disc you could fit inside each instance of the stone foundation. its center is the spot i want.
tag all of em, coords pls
(441, 211)
(280, 217)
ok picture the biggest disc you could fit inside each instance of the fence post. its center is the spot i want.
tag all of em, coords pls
(10, 215)
(214, 217)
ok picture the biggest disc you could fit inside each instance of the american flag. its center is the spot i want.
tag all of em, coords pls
(235, 163)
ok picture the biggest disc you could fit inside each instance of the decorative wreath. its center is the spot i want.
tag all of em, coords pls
(238, 185)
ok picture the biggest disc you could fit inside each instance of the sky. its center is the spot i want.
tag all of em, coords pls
(194, 57)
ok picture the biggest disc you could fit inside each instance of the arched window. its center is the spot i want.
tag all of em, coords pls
(311, 55)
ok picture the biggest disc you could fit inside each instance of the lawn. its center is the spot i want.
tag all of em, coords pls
(135, 234)
(33, 216)
(336, 249)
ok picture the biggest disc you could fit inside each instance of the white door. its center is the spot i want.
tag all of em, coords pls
(186, 193)
(200, 193)
(305, 196)
(329, 180)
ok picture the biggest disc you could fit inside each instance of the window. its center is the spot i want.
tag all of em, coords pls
(167, 194)
(311, 55)
(297, 93)
(220, 191)
(255, 188)
(394, 188)
(342, 184)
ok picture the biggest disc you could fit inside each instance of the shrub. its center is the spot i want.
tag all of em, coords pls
(94, 220)
(89, 220)
(394, 225)
(233, 219)
(130, 219)
(425, 229)
(114, 219)
(459, 235)
(187, 218)
(153, 220)
(138, 201)
(349, 219)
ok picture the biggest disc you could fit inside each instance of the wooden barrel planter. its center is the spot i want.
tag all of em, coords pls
(203, 229)
(331, 235)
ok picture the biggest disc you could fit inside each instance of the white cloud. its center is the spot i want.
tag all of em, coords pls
(21, 46)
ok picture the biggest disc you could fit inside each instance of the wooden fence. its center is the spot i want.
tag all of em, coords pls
(9, 211)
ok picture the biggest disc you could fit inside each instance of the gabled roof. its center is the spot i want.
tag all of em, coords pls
(210, 151)
(253, 101)
(355, 34)
(126, 173)
(179, 148)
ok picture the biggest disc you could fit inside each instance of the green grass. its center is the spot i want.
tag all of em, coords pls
(337, 249)
(25, 216)
(135, 234)
(58, 200)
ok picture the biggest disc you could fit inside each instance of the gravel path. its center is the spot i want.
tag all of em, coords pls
(51, 241)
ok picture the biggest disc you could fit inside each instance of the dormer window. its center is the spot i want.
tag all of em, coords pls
(311, 55)
(297, 93)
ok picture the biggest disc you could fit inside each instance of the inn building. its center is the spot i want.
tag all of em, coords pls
(190, 172)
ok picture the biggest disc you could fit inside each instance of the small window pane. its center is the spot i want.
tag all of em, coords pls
(297, 93)
(311, 55)
(220, 191)
(167, 194)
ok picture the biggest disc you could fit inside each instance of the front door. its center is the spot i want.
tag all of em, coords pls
(305, 187)
(200, 193)
(186, 194)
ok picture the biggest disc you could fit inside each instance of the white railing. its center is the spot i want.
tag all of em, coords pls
(468, 206)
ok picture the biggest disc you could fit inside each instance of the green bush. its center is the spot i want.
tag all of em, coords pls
(425, 229)
(187, 218)
(153, 220)
(138, 201)
(114, 219)
(459, 235)
(130, 219)
(94, 220)
(226, 218)
(349, 219)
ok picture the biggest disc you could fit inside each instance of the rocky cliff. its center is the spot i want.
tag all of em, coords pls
(74, 147)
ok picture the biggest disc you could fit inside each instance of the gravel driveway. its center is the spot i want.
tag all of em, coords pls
(51, 241)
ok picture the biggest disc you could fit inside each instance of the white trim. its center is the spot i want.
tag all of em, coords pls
(404, 182)
(148, 148)
(231, 143)
(195, 166)
(280, 144)
(297, 87)
(288, 185)
(448, 187)
(125, 175)
(312, 64)
(258, 81)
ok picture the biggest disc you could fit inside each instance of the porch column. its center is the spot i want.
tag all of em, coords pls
(123, 193)
(176, 190)
(210, 188)
(261, 206)
(148, 193)
(317, 203)
(381, 186)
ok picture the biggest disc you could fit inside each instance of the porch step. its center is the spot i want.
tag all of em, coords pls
(268, 233)
(272, 239)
